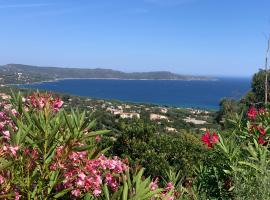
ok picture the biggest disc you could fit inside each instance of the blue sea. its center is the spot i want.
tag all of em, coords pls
(196, 94)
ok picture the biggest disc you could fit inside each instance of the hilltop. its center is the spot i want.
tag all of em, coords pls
(18, 74)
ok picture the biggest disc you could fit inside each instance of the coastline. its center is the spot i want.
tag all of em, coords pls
(61, 79)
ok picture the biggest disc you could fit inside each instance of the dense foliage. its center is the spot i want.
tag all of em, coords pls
(47, 152)
(140, 142)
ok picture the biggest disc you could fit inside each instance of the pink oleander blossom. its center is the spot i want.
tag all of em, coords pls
(209, 139)
(14, 150)
(6, 134)
(252, 113)
(17, 196)
(2, 179)
(262, 111)
(57, 104)
(83, 175)
(98, 138)
(41, 101)
(154, 185)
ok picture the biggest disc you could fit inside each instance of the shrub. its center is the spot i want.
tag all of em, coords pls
(48, 153)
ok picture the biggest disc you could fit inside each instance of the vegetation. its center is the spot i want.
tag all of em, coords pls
(50, 150)
(19, 74)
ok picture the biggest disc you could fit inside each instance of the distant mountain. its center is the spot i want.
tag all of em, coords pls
(18, 73)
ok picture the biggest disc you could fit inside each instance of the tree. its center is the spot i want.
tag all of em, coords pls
(228, 109)
(260, 88)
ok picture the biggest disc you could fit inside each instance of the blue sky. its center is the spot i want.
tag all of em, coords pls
(201, 37)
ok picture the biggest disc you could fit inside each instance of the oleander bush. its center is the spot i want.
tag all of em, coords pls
(238, 166)
(47, 152)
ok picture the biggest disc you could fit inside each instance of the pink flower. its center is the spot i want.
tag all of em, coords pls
(98, 138)
(96, 192)
(252, 112)
(76, 193)
(57, 104)
(154, 185)
(80, 183)
(2, 115)
(14, 112)
(82, 176)
(2, 179)
(209, 139)
(14, 150)
(35, 154)
(111, 181)
(262, 111)
(53, 166)
(40, 101)
(17, 196)
(6, 134)
(169, 186)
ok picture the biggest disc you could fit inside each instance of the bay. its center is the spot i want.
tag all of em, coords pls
(196, 94)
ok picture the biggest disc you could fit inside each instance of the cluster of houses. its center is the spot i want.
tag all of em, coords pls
(118, 110)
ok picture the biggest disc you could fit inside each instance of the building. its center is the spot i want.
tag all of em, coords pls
(130, 115)
(163, 110)
(157, 117)
(170, 129)
(194, 121)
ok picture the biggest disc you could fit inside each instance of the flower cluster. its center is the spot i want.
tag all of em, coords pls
(168, 192)
(258, 127)
(5, 119)
(84, 175)
(210, 139)
(40, 101)
(253, 112)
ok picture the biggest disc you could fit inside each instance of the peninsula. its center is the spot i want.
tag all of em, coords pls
(23, 74)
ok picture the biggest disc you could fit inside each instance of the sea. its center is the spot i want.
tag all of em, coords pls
(178, 93)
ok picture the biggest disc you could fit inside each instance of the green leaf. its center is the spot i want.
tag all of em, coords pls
(106, 192)
(4, 163)
(62, 193)
(95, 133)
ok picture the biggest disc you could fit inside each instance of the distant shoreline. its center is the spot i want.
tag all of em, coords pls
(61, 79)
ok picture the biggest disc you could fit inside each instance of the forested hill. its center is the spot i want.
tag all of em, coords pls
(18, 73)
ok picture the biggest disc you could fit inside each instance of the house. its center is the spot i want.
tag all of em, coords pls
(154, 117)
(130, 115)
(170, 129)
(163, 110)
(114, 111)
(194, 121)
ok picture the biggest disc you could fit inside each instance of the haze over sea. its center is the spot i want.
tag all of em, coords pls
(197, 94)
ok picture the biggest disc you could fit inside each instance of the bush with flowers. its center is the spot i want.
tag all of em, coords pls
(238, 166)
(48, 153)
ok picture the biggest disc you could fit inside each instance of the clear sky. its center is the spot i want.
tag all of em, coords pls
(205, 37)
